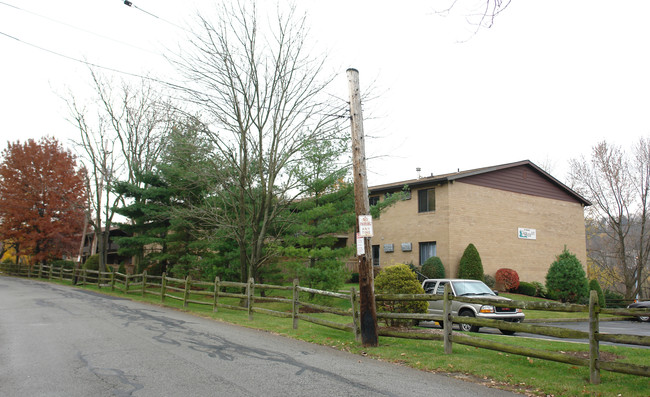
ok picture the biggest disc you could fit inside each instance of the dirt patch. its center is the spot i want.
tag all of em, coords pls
(303, 309)
(603, 356)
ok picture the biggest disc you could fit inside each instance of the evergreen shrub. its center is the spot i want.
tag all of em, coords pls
(594, 285)
(614, 299)
(566, 279)
(470, 266)
(399, 279)
(540, 289)
(92, 263)
(433, 268)
(489, 280)
(507, 278)
(354, 278)
(63, 263)
(527, 289)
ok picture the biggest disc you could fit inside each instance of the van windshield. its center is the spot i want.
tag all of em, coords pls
(471, 288)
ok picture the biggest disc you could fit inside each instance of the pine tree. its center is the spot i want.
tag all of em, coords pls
(311, 241)
(566, 279)
(471, 266)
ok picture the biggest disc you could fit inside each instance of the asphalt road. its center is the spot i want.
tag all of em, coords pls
(61, 341)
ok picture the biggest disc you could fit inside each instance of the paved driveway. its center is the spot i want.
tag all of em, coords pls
(631, 327)
(60, 341)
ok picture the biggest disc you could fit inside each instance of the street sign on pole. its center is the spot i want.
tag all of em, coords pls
(365, 226)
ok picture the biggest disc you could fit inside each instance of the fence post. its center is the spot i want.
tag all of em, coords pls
(250, 292)
(40, 270)
(355, 314)
(186, 293)
(126, 283)
(294, 304)
(29, 271)
(61, 272)
(49, 273)
(144, 282)
(217, 286)
(99, 279)
(113, 280)
(594, 361)
(83, 277)
(163, 287)
(447, 324)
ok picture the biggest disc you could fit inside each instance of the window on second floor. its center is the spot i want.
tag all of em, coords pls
(373, 200)
(426, 200)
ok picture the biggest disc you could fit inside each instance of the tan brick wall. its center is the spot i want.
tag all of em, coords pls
(488, 218)
(402, 223)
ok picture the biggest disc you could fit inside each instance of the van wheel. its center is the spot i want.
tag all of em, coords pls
(468, 327)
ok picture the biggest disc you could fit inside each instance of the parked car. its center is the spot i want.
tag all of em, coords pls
(474, 289)
(640, 305)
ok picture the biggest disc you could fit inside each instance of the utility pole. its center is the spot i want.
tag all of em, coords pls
(368, 311)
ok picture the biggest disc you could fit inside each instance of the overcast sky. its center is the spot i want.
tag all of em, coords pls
(546, 82)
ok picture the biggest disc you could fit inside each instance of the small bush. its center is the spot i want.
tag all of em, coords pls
(489, 280)
(399, 279)
(354, 278)
(470, 266)
(433, 268)
(507, 278)
(540, 289)
(63, 263)
(566, 279)
(594, 285)
(614, 299)
(527, 289)
(92, 263)
(122, 268)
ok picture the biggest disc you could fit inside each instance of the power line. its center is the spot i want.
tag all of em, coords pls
(149, 78)
(90, 63)
(80, 29)
(130, 4)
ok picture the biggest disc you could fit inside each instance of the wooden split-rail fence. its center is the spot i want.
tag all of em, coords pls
(213, 293)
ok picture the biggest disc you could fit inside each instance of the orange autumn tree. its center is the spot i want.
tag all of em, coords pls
(42, 199)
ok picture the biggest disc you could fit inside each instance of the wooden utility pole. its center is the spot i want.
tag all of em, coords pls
(368, 311)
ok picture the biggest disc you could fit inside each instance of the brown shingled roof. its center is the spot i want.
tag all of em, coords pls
(434, 179)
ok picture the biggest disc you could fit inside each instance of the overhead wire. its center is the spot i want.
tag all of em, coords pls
(92, 64)
(79, 29)
(129, 3)
(107, 68)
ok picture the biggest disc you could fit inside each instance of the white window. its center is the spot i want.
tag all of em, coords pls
(427, 250)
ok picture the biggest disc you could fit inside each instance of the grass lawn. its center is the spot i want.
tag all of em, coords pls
(495, 369)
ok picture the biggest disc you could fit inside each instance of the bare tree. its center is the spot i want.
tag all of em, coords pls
(122, 142)
(102, 167)
(618, 235)
(479, 13)
(265, 98)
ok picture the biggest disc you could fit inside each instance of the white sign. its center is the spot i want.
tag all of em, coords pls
(361, 245)
(527, 234)
(365, 226)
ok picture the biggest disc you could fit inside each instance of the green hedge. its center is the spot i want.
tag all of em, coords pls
(527, 289)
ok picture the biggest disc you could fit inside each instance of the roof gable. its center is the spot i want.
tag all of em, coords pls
(521, 177)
